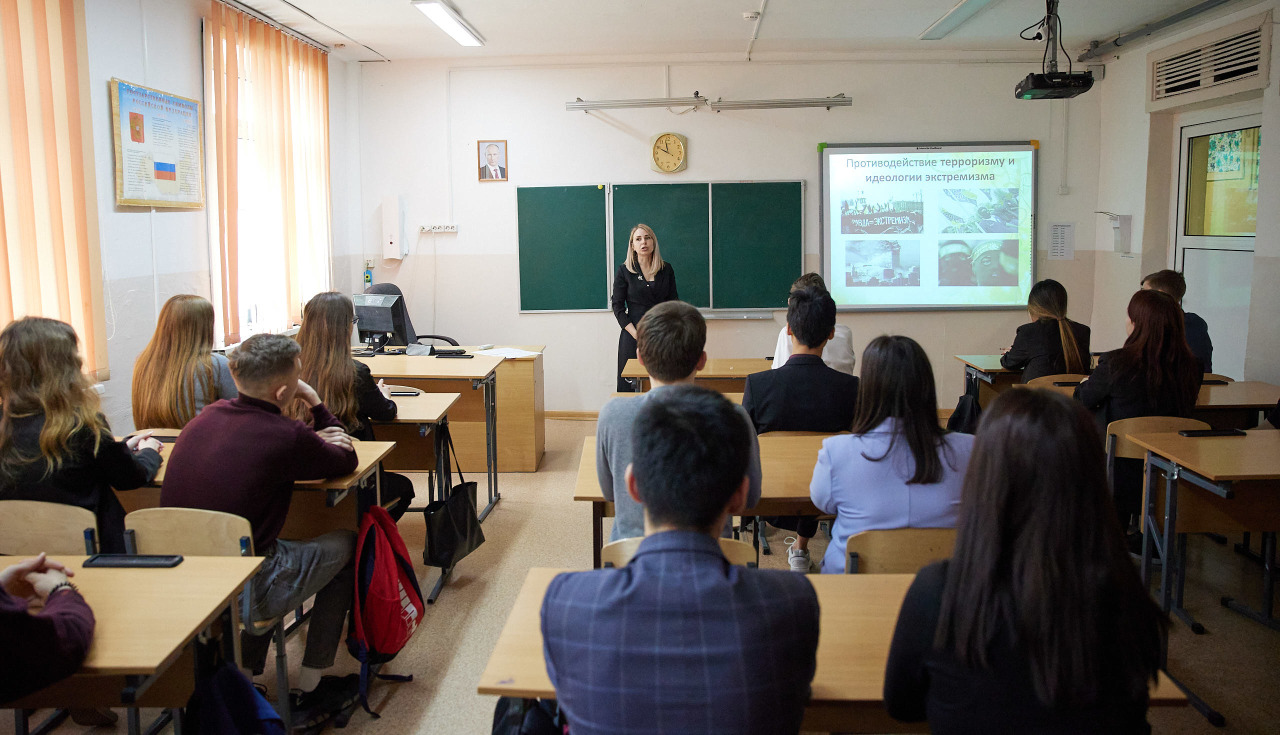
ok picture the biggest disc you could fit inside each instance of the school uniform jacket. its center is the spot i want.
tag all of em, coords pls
(802, 395)
(1037, 349)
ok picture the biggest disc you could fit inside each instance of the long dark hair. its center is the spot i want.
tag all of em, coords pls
(1040, 560)
(897, 382)
(1048, 300)
(1157, 351)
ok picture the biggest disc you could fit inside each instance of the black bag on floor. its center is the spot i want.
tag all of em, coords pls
(453, 526)
(515, 716)
(968, 413)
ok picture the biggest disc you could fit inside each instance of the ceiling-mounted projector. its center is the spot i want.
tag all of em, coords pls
(1053, 85)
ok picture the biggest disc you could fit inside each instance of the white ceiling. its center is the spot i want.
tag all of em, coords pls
(394, 29)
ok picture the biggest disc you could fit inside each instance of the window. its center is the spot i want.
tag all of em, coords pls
(49, 256)
(267, 97)
(1222, 183)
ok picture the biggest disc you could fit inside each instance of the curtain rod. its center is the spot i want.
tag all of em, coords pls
(259, 15)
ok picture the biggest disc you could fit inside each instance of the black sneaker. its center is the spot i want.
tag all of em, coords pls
(331, 697)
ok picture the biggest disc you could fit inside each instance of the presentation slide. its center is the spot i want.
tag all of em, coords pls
(929, 226)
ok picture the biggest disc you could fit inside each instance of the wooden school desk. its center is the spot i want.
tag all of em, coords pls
(475, 415)
(1228, 483)
(146, 621)
(413, 430)
(735, 398)
(991, 376)
(786, 467)
(520, 409)
(727, 375)
(1235, 405)
(858, 614)
(311, 511)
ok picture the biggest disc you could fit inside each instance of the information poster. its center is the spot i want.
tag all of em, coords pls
(929, 226)
(158, 151)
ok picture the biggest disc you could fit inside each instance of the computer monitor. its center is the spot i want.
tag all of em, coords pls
(374, 318)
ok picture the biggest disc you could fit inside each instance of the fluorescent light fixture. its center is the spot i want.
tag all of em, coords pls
(585, 105)
(838, 100)
(444, 16)
(956, 17)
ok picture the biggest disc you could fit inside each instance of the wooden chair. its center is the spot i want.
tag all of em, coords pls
(897, 550)
(28, 527)
(619, 553)
(1047, 382)
(1212, 378)
(193, 532)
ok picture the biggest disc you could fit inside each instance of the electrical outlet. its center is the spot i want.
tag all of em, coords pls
(439, 228)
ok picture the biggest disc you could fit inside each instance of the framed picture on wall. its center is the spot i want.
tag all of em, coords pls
(492, 159)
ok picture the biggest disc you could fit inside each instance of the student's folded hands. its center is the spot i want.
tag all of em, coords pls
(336, 436)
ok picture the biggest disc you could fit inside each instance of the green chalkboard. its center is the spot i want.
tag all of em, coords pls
(678, 215)
(564, 260)
(756, 246)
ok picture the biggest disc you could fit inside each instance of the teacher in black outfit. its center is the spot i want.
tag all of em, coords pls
(643, 281)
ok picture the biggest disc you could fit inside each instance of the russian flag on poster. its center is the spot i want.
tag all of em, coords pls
(166, 171)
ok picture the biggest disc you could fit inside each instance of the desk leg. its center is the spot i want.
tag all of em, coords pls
(490, 385)
(1268, 588)
(1148, 520)
(1167, 538)
(597, 532)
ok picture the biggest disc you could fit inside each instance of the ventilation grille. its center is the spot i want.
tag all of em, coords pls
(1230, 59)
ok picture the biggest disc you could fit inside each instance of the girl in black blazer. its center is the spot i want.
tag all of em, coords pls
(1154, 374)
(643, 281)
(1051, 344)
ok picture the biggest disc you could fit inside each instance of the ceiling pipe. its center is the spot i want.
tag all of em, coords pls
(755, 32)
(1097, 50)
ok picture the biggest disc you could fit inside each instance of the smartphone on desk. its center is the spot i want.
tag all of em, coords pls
(136, 561)
(1211, 432)
(406, 392)
(447, 354)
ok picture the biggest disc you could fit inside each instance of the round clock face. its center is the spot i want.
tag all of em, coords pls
(668, 152)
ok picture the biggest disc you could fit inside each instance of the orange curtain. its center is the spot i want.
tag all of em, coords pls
(268, 97)
(49, 251)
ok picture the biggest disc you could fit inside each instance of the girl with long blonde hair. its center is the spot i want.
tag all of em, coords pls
(345, 385)
(643, 280)
(55, 446)
(177, 374)
(1051, 344)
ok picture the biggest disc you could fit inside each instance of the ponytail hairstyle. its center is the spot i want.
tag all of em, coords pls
(897, 382)
(177, 362)
(1157, 351)
(41, 373)
(325, 338)
(1048, 300)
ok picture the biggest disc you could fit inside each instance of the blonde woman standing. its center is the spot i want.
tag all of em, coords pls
(177, 373)
(643, 281)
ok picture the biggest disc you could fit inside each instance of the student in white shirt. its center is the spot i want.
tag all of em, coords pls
(838, 352)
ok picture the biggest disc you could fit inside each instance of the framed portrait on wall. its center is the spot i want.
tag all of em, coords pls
(492, 159)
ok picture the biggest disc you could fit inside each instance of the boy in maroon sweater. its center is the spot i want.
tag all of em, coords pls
(50, 645)
(242, 456)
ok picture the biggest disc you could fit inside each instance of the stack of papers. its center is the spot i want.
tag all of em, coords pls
(506, 352)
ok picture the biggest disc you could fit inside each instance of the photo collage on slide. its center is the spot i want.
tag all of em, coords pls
(888, 232)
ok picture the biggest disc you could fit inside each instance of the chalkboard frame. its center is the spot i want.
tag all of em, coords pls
(711, 311)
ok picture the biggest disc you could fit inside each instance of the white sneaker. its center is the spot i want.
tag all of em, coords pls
(798, 559)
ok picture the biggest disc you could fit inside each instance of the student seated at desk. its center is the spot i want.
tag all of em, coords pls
(1154, 374)
(1039, 622)
(49, 645)
(1051, 344)
(898, 469)
(679, 640)
(1173, 283)
(178, 374)
(670, 339)
(55, 446)
(243, 456)
(837, 353)
(345, 385)
(803, 395)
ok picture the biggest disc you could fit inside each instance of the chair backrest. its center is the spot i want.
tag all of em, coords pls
(28, 527)
(1217, 378)
(897, 550)
(188, 531)
(801, 433)
(1119, 445)
(1047, 382)
(619, 553)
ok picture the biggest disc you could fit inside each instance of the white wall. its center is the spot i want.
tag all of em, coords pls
(419, 123)
(148, 254)
(1136, 176)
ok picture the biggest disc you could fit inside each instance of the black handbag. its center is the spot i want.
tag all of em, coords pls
(453, 525)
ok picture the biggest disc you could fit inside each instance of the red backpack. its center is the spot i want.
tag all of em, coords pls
(388, 603)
